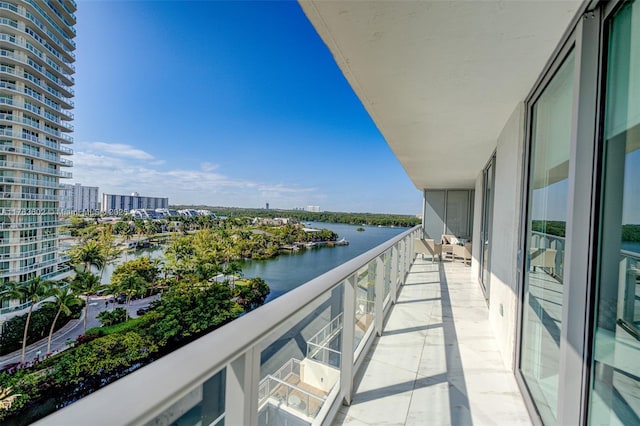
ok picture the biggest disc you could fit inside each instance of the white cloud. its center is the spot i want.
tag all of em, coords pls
(119, 150)
(122, 169)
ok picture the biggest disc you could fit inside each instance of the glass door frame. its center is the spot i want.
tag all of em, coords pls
(584, 37)
(486, 225)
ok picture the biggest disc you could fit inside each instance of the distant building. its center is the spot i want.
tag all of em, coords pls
(312, 209)
(196, 213)
(112, 203)
(78, 198)
(267, 206)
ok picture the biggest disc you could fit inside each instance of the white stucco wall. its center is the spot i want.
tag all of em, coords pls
(504, 244)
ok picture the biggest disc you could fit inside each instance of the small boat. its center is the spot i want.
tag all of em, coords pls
(310, 244)
(341, 242)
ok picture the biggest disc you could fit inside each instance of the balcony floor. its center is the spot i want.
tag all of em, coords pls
(437, 361)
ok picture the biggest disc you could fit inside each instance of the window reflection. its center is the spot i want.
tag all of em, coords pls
(616, 368)
(548, 183)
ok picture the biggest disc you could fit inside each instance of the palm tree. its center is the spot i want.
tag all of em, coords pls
(63, 300)
(129, 285)
(233, 269)
(85, 283)
(90, 253)
(32, 291)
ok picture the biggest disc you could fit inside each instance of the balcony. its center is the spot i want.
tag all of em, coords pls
(297, 358)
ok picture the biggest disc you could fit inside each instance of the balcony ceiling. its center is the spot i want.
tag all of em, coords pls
(441, 78)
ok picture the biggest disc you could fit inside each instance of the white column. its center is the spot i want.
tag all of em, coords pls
(379, 301)
(348, 339)
(241, 395)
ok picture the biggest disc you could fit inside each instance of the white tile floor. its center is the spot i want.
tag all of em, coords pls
(437, 362)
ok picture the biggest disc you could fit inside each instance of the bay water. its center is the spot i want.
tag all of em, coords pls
(290, 270)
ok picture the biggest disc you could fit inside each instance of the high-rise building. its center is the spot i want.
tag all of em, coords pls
(36, 87)
(116, 204)
(80, 199)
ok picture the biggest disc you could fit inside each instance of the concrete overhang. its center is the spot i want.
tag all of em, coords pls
(441, 78)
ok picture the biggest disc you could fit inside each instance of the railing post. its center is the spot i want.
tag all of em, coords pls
(379, 301)
(394, 274)
(241, 393)
(348, 339)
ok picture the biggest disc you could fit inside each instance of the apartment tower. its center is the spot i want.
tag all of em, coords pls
(36, 87)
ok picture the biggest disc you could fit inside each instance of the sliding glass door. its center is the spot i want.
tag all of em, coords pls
(548, 183)
(489, 177)
(615, 374)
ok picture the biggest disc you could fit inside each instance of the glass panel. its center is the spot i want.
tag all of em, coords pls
(458, 213)
(487, 221)
(202, 406)
(434, 214)
(365, 301)
(301, 366)
(615, 395)
(387, 273)
(548, 183)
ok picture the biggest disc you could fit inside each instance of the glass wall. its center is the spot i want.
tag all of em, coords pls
(547, 202)
(448, 212)
(615, 387)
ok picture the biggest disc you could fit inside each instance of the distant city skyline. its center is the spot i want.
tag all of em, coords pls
(225, 104)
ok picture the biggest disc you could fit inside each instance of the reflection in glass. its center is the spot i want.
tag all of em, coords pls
(615, 395)
(302, 365)
(206, 402)
(548, 183)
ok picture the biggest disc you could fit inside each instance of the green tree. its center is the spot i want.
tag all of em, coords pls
(31, 291)
(129, 285)
(86, 283)
(89, 253)
(63, 300)
(252, 294)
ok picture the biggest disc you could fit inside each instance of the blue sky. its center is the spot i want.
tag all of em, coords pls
(224, 104)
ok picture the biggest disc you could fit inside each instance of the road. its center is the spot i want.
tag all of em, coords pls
(70, 332)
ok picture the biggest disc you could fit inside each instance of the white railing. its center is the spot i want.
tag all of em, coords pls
(265, 389)
(318, 347)
(162, 391)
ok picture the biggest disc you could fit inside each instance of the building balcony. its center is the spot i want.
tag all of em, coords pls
(45, 170)
(43, 31)
(34, 267)
(299, 357)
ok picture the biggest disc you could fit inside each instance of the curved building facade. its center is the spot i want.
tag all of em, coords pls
(36, 91)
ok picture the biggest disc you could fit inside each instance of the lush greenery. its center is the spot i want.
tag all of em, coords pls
(550, 227)
(202, 288)
(373, 219)
(631, 233)
(39, 326)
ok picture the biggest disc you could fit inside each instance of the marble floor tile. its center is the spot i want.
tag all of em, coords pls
(437, 362)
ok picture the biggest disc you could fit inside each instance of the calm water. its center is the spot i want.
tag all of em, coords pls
(288, 271)
(631, 246)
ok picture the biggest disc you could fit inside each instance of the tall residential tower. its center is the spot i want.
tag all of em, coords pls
(36, 68)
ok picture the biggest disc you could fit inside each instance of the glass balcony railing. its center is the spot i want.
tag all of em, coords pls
(31, 167)
(34, 267)
(292, 360)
